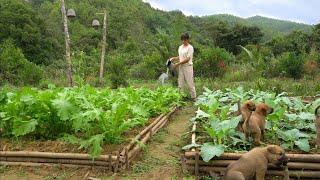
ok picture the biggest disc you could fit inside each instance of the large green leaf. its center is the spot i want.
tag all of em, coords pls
(23, 127)
(303, 144)
(65, 109)
(209, 150)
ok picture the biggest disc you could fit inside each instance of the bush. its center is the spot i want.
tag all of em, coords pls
(311, 68)
(117, 71)
(212, 62)
(150, 68)
(291, 64)
(15, 68)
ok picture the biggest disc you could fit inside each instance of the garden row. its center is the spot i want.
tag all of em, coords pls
(216, 142)
(88, 117)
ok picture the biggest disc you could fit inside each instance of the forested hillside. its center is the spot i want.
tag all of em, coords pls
(139, 39)
(270, 27)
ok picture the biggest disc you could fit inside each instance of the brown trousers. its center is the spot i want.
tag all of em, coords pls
(185, 79)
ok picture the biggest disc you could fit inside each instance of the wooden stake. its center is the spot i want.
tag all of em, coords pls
(193, 136)
(67, 43)
(127, 158)
(110, 162)
(196, 167)
(103, 48)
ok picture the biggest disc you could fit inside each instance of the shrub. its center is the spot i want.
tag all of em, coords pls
(311, 68)
(117, 70)
(291, 64)
(15, 68)
(212, 62)
(150, 68)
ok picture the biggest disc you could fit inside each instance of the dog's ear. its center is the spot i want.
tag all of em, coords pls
(264, 110)
(272, 149)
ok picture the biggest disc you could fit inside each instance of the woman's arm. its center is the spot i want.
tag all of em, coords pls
(174, 58)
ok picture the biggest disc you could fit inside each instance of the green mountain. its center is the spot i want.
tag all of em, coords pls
(271, 27)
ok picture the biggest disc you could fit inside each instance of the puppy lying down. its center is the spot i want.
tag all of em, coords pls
(254, 164)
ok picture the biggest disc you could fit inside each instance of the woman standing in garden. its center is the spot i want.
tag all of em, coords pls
(185, 66)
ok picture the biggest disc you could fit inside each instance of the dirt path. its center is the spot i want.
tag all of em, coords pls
(160, 159)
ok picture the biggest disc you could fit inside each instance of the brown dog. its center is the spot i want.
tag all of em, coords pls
(317, 122)
(254, 163)
(254, 125)
(245, 110)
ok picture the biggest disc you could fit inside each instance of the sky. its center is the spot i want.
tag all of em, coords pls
(302, 11)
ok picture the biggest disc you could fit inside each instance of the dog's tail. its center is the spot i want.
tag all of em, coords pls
(239, 108)
(247, 121)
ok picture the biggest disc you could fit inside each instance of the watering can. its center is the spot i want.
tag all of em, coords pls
(165, 76)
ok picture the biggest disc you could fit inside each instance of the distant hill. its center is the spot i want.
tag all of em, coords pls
(271, 27)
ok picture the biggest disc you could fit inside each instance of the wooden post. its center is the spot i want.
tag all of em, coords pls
(127, 158)
(103, 50)
(110, 162)
(196, 166)
(317, 122)
(67, 43)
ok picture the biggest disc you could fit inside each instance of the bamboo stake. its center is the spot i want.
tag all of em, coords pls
(110, 162)
(67, 43)
(317, 123)
(196, 167)
(103, 48)
(193, 136)
(53, 155)
(127, 158)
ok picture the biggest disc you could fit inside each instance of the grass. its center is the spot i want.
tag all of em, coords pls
(3, 169)
(160, 136)
(147, 164)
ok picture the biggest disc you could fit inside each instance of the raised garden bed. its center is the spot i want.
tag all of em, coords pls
(299, 165)
(81, 126)
(215, 142)
(111, 161)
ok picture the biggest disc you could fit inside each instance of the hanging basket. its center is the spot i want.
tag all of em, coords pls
(71, 13)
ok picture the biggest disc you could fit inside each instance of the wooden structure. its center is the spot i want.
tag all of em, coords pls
(113, 162)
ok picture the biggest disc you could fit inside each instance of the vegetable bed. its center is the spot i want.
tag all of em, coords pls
(90, 119)
(214, 133)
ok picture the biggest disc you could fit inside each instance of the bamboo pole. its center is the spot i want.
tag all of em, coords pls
(53, 155)
(137, 148)
(135, 139)
(67, 43)
(296, 174)
(103, 48)
(39, 164)
(147, 129)
(193, 136)
(225, 163)
(56, 161)
(159, 125)
(312, 158)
